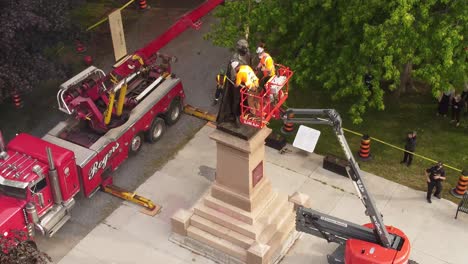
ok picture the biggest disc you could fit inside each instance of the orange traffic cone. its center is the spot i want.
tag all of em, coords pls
(142, 4)
(17, 99)
(364, 152)
(462, 185)
(288, 127)
(80, 47)
(88, 60)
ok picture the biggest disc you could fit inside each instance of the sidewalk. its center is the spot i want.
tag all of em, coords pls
(128, 236)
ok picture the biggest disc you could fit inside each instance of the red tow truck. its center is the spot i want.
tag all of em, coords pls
(111, 115)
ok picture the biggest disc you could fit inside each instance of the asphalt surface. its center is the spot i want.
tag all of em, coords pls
(197, 66)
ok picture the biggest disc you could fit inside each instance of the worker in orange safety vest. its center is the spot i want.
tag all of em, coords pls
(246, 76)
(266, 64)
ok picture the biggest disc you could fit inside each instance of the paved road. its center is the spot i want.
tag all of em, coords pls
(197, 66)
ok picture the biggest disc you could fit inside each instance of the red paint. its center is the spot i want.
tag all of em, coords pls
(362, 252)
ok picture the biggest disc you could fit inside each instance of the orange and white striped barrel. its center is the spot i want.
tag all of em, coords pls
(462, 185)
(142, 4)
(17, 101)
(288, 127)
(364, 151)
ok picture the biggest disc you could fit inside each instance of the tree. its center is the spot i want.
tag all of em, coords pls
(14, 249)
(357, 50)
(29, 28)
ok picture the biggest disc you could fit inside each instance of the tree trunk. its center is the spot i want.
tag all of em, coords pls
(406, 81)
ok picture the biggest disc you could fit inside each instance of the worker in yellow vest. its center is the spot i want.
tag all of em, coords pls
(220, 84)
(266, 64)
(246, 77)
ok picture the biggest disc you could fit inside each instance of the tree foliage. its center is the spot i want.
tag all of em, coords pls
(30, 28)
(15, 249)
(338, 43)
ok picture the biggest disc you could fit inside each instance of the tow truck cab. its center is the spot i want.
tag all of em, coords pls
(30, 198)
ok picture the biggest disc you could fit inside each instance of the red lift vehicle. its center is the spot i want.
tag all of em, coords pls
(39, 177)
(373, 243)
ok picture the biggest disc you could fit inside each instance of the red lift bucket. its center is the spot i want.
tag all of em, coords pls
(267, 103)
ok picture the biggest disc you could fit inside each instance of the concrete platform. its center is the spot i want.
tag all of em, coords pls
(128, 236)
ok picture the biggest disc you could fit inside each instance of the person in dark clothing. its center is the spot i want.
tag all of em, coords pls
(220, 83)
(444, 102)
(434, 177)
(464, 99)
(456, 109)
(409, 146)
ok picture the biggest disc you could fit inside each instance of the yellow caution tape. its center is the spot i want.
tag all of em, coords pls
(106, 18)
(393, 146)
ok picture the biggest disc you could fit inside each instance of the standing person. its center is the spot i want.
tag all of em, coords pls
(444, 102)
(456, 109)
(246, 76)
(409, 146)
(464, 99)
(434, 177)
(220, 83)
(266, 64)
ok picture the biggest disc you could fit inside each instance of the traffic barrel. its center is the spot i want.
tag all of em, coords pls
(17, 101)
(142, 4)
(80, 47)
(88, 60)
(462, 185)
(364, 151)
(287, 126)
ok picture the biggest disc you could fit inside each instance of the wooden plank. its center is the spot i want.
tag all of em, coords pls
(117, 33)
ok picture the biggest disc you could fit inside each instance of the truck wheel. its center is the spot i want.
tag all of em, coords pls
(156, 131)
(175, 111)
(136, 143)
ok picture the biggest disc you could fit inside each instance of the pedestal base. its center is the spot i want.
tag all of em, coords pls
(228, 234)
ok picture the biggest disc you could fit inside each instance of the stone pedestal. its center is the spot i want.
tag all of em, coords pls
(241, 219)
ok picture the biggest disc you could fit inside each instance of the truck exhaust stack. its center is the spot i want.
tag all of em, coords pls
(3, 153)
(53, 177)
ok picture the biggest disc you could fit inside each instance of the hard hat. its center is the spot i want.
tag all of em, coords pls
(259, 50)
(234, 64)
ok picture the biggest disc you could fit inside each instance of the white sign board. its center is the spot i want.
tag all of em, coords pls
(306, 138)
(117, 33)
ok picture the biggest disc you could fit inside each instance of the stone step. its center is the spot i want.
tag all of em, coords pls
(278, 240)
(221, 231)
(271, 212)
(236, 212)
(225, 220)
(217, 243)
(285, 217)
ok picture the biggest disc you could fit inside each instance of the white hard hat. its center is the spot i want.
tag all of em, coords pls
(259, 50)
(234, 64)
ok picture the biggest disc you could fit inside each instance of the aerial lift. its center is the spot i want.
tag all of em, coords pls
(372, 243)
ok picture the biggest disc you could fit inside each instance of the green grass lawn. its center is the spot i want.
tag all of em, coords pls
(437, 139)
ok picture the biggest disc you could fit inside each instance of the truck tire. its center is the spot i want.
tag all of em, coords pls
(412, 262)
(174, 112)
(135, 144)
(156, 131)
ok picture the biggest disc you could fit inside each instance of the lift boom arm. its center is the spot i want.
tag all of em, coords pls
(332, 118)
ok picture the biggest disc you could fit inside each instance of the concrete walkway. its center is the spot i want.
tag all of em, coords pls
(128, 236)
